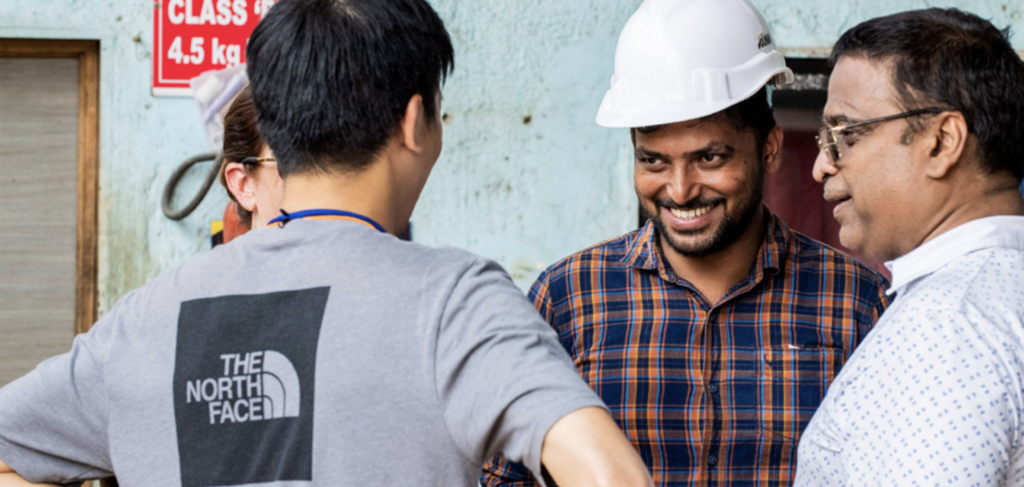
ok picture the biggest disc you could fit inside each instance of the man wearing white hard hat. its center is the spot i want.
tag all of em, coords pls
(714, 331)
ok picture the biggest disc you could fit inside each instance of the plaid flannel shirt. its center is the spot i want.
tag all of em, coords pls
(710, 394)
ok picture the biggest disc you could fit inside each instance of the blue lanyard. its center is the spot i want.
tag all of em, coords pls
(318, 214)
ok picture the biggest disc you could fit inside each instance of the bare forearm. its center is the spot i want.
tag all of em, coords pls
(587, 448)
(10, 479)
(15, 480)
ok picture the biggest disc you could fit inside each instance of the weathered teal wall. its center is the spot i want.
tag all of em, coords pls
(809, 28)
(526, 177)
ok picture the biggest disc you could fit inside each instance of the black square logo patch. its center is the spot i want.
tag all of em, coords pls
(244, 379)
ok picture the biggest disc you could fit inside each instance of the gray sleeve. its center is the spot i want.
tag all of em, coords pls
(53, 421)
(502, 377)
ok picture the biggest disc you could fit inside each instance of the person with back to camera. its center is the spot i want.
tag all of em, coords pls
(326, 351)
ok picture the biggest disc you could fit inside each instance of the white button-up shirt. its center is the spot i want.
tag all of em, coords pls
(935, 394)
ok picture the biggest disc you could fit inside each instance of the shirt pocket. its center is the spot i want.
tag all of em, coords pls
(793, 385)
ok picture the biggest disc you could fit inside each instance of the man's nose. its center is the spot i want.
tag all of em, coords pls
(684, 185)
(823, 167)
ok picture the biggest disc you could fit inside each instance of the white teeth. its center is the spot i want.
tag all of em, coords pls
(690, 214)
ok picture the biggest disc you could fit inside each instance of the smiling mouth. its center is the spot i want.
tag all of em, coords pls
(691, 214)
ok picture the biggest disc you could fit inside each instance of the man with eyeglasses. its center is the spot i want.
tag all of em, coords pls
(923, 153)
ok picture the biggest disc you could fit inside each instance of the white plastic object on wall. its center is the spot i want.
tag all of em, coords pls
(214, 91)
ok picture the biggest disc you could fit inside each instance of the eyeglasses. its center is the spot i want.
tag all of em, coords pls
(829, 138)
(255, 161)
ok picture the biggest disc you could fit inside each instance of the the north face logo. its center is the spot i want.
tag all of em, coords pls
(254, 386)
(245, 387)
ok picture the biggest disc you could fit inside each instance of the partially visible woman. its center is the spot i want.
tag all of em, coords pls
(249, 171)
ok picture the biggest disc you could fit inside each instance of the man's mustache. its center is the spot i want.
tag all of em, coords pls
(689, 205)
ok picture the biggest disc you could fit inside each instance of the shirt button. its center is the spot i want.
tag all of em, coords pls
(713, 387)
(712, 460)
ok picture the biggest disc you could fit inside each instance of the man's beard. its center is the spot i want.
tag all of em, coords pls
(729, 230)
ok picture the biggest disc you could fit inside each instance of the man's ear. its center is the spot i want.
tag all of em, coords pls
(773, 151)
(414, 125)
(947, 142)
(240, 185)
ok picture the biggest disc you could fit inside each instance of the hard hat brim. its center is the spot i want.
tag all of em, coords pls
(668, 112)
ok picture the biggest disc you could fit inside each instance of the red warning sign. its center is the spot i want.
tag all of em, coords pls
(195, 36)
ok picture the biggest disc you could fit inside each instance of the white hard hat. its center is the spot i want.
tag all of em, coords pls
(680, 60)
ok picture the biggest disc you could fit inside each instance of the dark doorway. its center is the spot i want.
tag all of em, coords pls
(792, 192)
(49, 138)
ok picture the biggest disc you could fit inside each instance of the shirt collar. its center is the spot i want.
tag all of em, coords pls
(644, 252)
(984, 233)
(642, 248)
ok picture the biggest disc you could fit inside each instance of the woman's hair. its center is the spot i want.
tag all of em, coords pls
(241, 140)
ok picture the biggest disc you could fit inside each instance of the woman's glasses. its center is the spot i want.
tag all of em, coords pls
(255, 161)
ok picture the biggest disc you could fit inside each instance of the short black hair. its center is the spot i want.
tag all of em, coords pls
(753, 115)
(957, 61)
(331, 79)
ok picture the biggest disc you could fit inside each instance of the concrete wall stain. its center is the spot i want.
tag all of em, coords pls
(526, 176)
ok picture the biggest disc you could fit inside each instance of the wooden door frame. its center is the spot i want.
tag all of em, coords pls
(86, 249)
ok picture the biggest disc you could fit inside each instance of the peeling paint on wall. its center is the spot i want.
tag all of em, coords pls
(526, 176)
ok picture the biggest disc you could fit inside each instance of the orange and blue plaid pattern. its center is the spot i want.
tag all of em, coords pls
(710, 394)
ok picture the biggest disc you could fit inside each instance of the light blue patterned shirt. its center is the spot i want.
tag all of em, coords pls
(935, 394)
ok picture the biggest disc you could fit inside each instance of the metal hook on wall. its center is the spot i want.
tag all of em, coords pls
(172, 184)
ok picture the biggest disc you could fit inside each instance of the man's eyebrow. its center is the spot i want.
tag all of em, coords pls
(836, 120)
(649, 154)
(714, 147)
